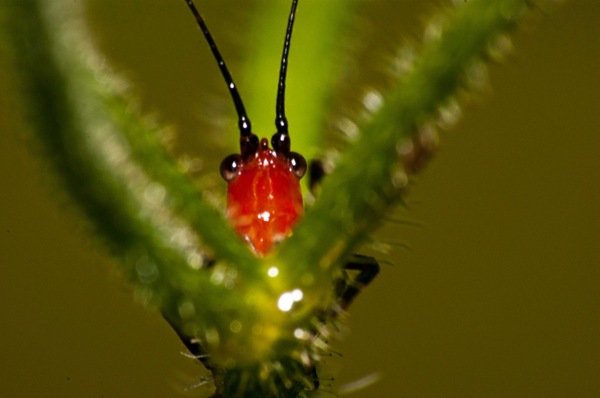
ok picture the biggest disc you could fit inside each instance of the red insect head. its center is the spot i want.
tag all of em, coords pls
(264, 198)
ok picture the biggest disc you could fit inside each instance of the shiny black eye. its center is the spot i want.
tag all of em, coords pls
(297, 164)
(230, 167)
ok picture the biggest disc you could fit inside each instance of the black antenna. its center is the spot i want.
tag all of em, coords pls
(247, 139)
(280, 119)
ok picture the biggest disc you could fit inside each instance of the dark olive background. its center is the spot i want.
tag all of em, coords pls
(498, 294)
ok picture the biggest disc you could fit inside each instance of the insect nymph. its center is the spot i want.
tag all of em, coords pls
(264, 199)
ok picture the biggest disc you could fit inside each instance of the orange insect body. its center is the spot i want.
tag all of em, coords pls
(264, 199)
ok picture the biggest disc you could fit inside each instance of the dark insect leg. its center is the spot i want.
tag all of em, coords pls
(348, 288)
(311, 371)
(316, 172)
(198, 352)
(359, 272)
(194, 348)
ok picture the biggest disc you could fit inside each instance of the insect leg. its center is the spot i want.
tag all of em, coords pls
(348, 288)
(316, 173)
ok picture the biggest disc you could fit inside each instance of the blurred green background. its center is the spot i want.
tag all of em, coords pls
(498, 294)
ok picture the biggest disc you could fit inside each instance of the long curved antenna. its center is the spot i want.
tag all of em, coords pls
(243, 121)
(280, 119)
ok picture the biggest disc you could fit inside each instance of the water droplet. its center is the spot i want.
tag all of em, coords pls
(154, 193)
(285, 302)
(372, 100)
(297, 295)
(433, 30)
(449, 114)
(500, 47)
(347, 127)
(212, 337)
(273, 272)
(217, 276)
(300, 334)
(404, 61)
(287, 299)
(146, 269)
(186, 309)
(195, 260)
(477, 77)
(415, 153)
(235, 326)
(399, 178)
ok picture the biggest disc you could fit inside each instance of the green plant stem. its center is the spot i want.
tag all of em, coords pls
(113, 166)
(365, 183)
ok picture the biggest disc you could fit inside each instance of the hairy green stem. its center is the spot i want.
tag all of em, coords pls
(370, 178)
(153, 217)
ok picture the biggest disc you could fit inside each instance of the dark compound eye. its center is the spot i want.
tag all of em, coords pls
(297, 164)
(230, 167)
